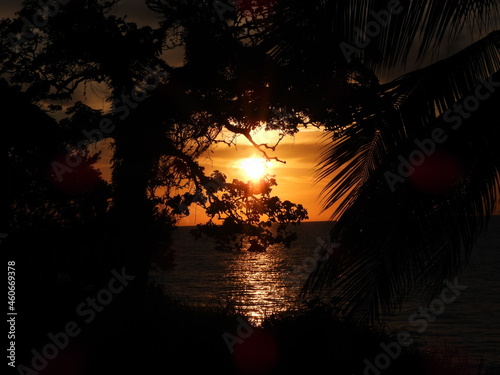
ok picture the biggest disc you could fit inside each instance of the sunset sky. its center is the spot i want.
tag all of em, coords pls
(295, 179)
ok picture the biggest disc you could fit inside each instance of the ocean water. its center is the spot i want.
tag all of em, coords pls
(470, 325)
(259, 284)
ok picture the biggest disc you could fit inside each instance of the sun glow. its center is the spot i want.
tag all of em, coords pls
(254, 168)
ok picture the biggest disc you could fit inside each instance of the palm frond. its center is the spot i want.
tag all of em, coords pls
(415, 100)
(423, 94)
(313, 31)
(394, 240)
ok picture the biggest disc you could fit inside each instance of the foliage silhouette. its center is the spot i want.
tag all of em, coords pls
(163, 118)
(238, 73)
(248, 212)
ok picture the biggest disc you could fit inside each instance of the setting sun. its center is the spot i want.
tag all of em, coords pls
(254, 168)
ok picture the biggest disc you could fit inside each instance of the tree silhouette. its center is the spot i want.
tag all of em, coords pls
(162, 118)
(321, 62)
(248, 212)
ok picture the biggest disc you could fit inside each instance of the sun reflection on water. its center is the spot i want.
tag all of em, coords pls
(257, 283)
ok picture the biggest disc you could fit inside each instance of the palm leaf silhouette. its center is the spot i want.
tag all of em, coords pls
(308, 30)
(393, 241)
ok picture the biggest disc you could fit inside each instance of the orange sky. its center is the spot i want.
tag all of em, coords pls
(295, 178)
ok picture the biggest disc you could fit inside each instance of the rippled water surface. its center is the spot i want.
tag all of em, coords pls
(259, 284)
(256, 283)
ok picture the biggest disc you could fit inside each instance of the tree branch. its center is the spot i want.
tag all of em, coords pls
(246, 133)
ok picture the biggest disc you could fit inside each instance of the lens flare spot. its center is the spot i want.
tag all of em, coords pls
(257, 354)
(437, 174)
